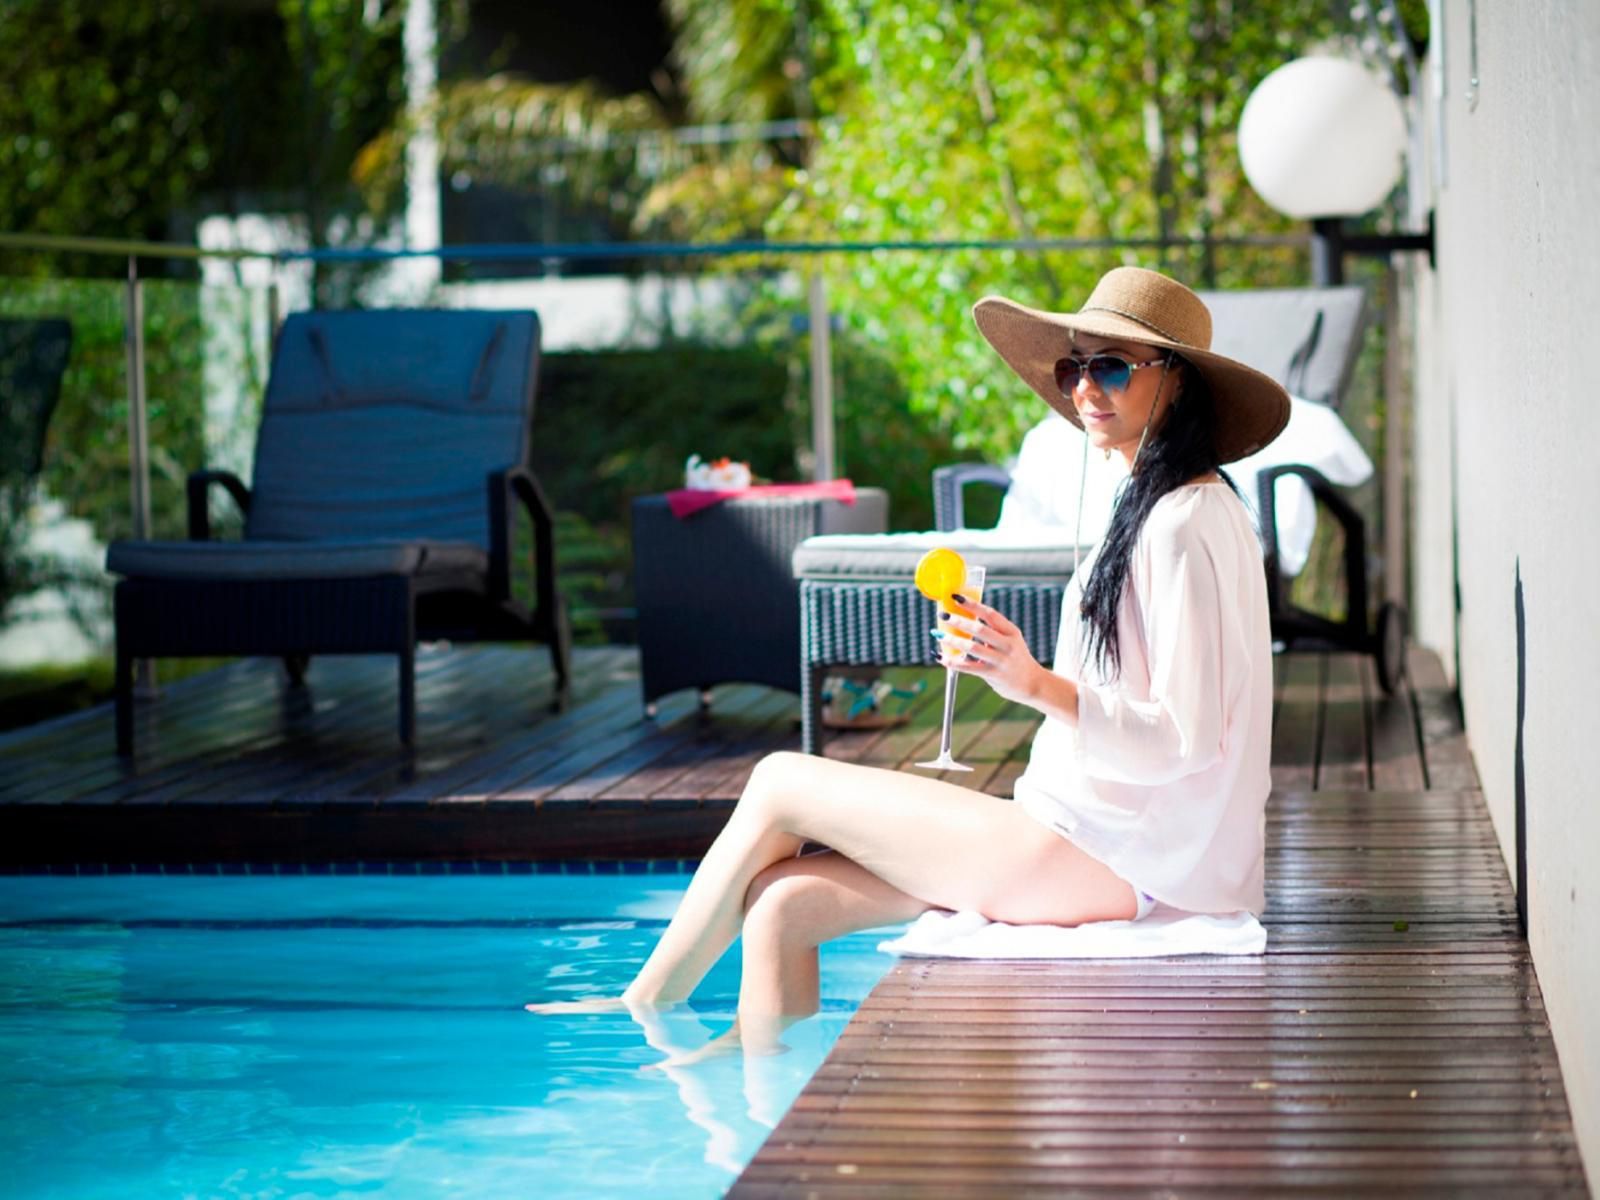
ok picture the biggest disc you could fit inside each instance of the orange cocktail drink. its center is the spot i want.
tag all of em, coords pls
(941, 576)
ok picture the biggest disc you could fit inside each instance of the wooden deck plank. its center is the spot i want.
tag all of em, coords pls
(1447, 759)
(639, 755)
(468, 716)
(531, 778)
(1297, 724)
(245, 719)
(477, 776)
(1007, 741)
(716, 742)
(234, 705)
(722, 777)
(1342, 760)
(1396, 750)
(337, 733)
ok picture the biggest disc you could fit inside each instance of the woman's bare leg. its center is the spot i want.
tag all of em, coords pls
(947, 846)
(797, 905)
(712, 910)
(791, 909)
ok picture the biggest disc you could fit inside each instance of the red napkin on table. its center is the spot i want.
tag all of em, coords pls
(686, 502)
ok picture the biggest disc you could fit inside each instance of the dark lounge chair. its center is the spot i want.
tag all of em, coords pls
(392, 451)
(33, 358)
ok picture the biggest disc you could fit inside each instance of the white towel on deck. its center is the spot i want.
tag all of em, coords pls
(940, 934)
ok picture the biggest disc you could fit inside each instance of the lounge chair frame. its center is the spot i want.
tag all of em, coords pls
(386, 612)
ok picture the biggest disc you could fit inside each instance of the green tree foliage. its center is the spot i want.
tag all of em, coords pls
(927, 119)
(119, 119)
(988, 120)
(940, 119)
(748, 60)
(513, 132)
(348, 62)
(103, 119)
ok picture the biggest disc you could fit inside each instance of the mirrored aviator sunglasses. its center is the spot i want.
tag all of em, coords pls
(1106, 371)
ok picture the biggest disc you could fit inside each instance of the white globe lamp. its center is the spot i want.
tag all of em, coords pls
(1322, 138)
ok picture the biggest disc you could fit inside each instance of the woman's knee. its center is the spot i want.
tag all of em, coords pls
(776, 770)
(778, 903)
(776, 776)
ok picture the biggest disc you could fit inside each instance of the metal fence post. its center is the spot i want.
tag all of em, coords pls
(274, 317)
(821, 382)
(138, 436)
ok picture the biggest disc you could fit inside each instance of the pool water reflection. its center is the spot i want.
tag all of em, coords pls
(328, 1036)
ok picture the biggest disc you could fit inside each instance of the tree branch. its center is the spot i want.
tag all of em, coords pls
(1008, 181)
(1155, 135)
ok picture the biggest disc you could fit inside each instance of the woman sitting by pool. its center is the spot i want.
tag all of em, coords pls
(1149, 776)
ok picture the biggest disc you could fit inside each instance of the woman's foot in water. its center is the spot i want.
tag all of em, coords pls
(734, 1041)
(591, 1004)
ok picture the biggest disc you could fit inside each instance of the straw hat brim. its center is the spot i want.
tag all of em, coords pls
(1251, 408)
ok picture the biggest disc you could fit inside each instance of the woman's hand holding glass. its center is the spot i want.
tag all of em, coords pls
(997, 652)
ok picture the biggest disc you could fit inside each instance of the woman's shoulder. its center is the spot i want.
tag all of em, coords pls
(1194, 512)
(1202, 499)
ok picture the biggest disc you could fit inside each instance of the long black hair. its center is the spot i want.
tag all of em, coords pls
(1179, 448)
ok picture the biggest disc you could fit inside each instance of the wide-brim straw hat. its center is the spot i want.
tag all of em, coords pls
(1132, 304)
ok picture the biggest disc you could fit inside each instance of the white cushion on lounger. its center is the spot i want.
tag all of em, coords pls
(1043, 498)
(1314, 437)
(865, 558)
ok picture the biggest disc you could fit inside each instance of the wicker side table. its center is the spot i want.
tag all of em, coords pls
(858, 605)
(716, 599)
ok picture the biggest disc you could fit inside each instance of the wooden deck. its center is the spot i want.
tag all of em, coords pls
(237, 765)
(1392, 1039)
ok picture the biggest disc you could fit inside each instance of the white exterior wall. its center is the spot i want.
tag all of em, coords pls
(1507, 405)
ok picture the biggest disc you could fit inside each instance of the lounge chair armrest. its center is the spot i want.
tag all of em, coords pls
(519, 482)
(1355, 537)
(198, 490)
(948, 485)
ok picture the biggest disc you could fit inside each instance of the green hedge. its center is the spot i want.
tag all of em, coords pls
(613, 425)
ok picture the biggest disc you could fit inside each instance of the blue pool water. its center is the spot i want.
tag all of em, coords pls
(364, 1036)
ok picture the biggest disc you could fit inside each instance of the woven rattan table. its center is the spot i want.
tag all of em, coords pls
(716, 600)
(859, 607)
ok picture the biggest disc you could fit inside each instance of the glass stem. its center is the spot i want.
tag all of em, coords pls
(949, 711)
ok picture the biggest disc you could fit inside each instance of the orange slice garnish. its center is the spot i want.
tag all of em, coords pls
(941, 573)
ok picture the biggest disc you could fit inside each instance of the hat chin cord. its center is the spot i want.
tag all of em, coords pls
(1083, 469)
(1166, 364)
(1077, 530)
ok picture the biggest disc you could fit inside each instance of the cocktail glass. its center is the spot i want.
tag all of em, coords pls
(954, 646)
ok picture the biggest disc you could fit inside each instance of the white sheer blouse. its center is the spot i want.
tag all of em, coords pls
(1165, 779)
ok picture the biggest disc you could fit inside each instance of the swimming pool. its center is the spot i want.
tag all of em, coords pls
(363, 1035)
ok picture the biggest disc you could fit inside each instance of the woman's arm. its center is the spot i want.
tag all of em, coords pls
(1192, 634)
(1189, 633)
(999, 654)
